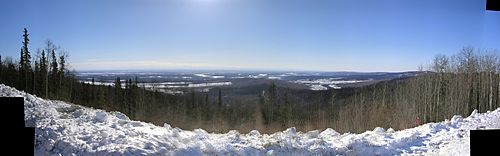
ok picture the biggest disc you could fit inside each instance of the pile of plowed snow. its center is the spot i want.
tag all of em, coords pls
(69, 129)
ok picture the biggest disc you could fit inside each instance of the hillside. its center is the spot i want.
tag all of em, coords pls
(67, 129)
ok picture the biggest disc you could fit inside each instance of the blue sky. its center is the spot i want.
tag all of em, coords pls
(324, 35)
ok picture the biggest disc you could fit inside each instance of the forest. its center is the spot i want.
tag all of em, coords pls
(448, 86)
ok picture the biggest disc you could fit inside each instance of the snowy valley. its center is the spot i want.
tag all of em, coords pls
(184, 81)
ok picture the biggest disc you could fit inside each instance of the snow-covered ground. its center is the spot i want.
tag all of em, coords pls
(68, 129)
(210, 76)
(319, 84)
(317, 87)
(170, 87)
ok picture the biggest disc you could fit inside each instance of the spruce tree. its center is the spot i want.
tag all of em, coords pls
(118, 95)
(21, 71)
(118, 83)
(219, 105)
(21, 60)
(53, 73)
(26, 56)
(136, 81)
(36, 77)
(62, 64)
(11, 73)
(43, 74)
(25, 63)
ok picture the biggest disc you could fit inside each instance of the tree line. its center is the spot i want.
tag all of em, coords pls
(451, 85)
(46, 74)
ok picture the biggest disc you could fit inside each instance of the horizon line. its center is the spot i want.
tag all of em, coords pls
(243, 70)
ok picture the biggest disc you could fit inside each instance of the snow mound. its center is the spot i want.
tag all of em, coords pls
(69, 129)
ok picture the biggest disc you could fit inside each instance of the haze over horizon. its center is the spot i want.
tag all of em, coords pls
(387, 35)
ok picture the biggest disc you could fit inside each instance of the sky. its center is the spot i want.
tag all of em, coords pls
(319, 35)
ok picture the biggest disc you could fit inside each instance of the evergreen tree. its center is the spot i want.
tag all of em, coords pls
(219, 104)
(21, 84)
(54, 77)
(26, 56)
(130, 98)
(136, 81)
(118, 97)
(43, 74)
(126, 102)
(25, 63)
(118, 83)
(21, 60)
(36, 74)
(64, 82)
(11, 72)
(62, 67)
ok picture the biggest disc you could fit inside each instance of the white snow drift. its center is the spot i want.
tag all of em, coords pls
(69, 129)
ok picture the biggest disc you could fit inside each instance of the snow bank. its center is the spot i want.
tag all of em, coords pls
(68, 129)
